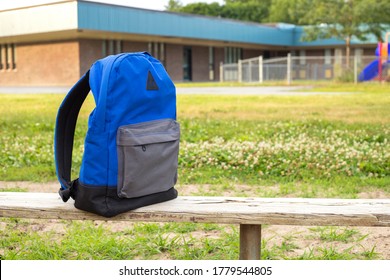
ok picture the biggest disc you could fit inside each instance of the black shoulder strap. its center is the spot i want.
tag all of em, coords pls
(64, 134)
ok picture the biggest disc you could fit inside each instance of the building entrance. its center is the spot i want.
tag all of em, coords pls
(187, 64)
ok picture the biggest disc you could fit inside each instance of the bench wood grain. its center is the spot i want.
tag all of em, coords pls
(249, 213)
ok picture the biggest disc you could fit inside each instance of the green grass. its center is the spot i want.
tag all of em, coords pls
(86, 240)
(337, 234)
(99, 241)
(247, 139)
(266, 146)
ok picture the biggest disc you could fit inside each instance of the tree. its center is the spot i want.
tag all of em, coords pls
(246, 10)
(200, 8)
(345, 19)
(288, 11)
(174, 6)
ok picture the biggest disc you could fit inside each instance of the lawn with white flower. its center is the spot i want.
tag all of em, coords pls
(333, 145)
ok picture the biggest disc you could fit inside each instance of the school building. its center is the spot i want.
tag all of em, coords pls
(55, 43)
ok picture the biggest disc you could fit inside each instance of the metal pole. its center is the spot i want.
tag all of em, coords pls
(355, 71)
(250, 71)
(380, 61)
(221, 72)
(260, 69)
(240, 71)
(289, 68)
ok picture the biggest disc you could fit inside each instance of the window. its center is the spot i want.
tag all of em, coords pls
(158, 51)
(1, 58)
(211, 63)
(232, 55)
(162, 53)
(110, 47)
(13, 57)
(8, 57)
(302, 57)
(328, 56)
(359, 55)
(187, 63)
(118, 46)
(338, 56)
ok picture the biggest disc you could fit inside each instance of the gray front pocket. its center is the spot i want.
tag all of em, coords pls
(147, 157)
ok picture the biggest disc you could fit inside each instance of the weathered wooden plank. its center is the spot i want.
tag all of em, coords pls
(222, 210)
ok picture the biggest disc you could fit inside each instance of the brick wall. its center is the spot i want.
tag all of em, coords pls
(200, 64)
(174, 61)
(128, 46)
(62, 63)
(50, 64)
(251, 53)
(90, 51)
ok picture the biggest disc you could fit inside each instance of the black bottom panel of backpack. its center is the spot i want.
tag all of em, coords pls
(104, 201)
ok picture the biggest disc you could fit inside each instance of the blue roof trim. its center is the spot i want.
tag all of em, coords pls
(298, 42)
(113, 18)
(96, 16)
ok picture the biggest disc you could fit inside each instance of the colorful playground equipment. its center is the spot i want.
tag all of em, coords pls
(377, 68)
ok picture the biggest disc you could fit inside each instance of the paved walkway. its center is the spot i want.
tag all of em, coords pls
(246, 90)
(26, 90)
(250, 90)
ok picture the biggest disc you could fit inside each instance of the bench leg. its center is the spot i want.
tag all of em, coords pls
(250, 242)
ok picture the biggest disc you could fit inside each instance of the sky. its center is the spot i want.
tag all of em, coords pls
(146, 4)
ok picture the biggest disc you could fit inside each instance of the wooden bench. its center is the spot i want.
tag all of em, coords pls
(249, 213)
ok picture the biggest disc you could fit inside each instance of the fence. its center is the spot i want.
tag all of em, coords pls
(353, 69)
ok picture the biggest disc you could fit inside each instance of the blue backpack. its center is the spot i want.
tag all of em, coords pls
(131, 147)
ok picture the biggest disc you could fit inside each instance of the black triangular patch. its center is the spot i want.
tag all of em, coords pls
(151, 83)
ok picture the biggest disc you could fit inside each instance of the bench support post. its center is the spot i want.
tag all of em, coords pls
(250, 242)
